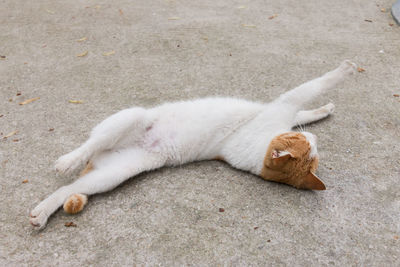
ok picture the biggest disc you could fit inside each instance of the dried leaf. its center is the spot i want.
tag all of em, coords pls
(25, 181)
(29, 101)
(82, 54)
(109, 53)
(121, 12)
(15, 140)
(10, 134)
(51, 129)
(97, 6)
(70, 224)
(174, 18)
(273, 16)
(75, 101)
(82, 39)
(18, 94)
(1, 115)
(367, 20)
(396, 237)
(249, 25)
(383, 9)
(359, 69)
(255, 228)
(396, 95)
(241, 7)
(391, 24)
(221, 210)
(50, 11)
(2, 57)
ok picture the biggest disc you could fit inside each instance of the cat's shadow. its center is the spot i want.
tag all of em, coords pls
(212, 172)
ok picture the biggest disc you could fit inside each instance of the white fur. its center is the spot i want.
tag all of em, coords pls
(136, 140)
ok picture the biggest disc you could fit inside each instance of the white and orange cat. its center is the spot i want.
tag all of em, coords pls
(249, 136)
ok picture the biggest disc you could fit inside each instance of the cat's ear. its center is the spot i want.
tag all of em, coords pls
(279, 157)
(312, 182)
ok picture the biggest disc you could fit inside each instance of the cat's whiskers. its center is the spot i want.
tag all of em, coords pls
(299, 125)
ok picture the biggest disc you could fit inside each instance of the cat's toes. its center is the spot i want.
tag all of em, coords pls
(348, 67)
(67, 163)
(38, 218)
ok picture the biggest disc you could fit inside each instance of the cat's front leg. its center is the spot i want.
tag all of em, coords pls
(309, 116)
(306, 92)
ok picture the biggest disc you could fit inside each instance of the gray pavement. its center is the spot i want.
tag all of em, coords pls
(171, 50)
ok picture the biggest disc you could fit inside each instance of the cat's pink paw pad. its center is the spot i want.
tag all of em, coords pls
(38, 218)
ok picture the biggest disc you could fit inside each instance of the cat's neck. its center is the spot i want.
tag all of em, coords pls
(246, 148)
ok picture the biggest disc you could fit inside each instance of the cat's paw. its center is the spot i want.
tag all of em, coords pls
(38, 217)
(348, 67)
(325, 111)
(67, 163)
(329, 108)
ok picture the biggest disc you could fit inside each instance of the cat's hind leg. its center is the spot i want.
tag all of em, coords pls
(309, 116)
(104, 136)
(110, 170)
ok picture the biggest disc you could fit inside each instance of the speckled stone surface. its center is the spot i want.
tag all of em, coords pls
(168, 50)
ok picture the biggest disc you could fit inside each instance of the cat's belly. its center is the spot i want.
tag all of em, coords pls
(179, 146)
(195, 130)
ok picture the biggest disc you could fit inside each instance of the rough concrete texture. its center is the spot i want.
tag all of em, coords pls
(168, 50)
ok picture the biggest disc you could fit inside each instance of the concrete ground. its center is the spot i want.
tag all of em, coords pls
(169, 50)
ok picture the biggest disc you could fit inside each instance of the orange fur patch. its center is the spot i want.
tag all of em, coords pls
(220, 158)
(75, 203)
(297, 168)
(89, 167)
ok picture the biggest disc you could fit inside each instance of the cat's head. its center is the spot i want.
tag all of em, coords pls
(292, 159)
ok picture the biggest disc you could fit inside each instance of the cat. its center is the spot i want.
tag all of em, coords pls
(253, 137)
